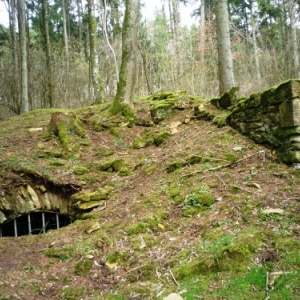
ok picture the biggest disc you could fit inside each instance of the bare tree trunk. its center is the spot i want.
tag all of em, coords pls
(202, 30)
(66, 39)
(14, 50)
(12, 19)
(226, 76)
(79, 15)
(295, 70)
(23, 49)
(47, 49)
(128, 71)
(256, 58)
(176, 33)
(95, 85)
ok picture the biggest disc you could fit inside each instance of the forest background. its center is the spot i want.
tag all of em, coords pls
(74, 50)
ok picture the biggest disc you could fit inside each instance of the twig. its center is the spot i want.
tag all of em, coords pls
(240, 188)
(135, 268)
(221, 180)
(222, 166)
(101, 207)
(174, 279)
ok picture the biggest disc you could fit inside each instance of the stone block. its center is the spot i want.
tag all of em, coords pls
(290, 113)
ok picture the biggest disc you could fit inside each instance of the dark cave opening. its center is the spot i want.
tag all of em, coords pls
(34, 223)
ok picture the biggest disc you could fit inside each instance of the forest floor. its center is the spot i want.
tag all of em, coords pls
(207, 214)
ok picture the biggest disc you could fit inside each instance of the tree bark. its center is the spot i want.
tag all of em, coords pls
(128, 72)
(14, 50)
(23, 49)
(49, 97)
(225, 64)
(254, 39)
(66, 39)
(295, 70)
(95, 85)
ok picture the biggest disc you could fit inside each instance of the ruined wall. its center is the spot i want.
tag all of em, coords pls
(271, 117)
(27, 199)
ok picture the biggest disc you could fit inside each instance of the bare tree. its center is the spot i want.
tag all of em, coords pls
(127, 76)
(23, 49)
(66, 39)
(49, 95)
(95, 85)
(226, 75)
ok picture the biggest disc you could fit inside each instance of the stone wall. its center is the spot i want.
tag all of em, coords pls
(271, 117)
(27, 199)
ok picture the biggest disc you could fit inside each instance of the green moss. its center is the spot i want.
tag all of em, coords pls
(178, 200)
(231, 157)
(118, 257)
(49, 153)
(66, 253)
(146, 139)
(105, 152)
(57, 163)
(224, 253)
(174, 192)
(111, 165)
(221, 119)
(194, 159)
(150, 169)
(161, 138)
(136, 228)
(73, 293)
(83, 267)
(114, 131)
(174, 165)
(80, 170)
(124, 172)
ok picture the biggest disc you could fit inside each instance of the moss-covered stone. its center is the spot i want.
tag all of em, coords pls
(89, 205)
(112, 165)
(144, 140)
(221, 119)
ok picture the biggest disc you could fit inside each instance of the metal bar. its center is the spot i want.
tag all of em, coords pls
(57, 220)
(44, 224)
(29, 223)
(15, 227)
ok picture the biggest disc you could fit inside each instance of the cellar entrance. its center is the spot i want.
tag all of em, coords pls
(34, 223)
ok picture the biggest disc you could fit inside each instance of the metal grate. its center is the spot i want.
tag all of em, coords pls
(34, 223)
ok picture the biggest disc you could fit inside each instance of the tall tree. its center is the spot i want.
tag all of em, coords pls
(127, 76)
(292, 15)
(23, 49)
(49, 95)
(225, 63)
(66, 39)
(95, 85)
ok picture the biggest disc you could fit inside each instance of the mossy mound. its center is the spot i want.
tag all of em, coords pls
(66, 126)
(223, 253)
(164, 104)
